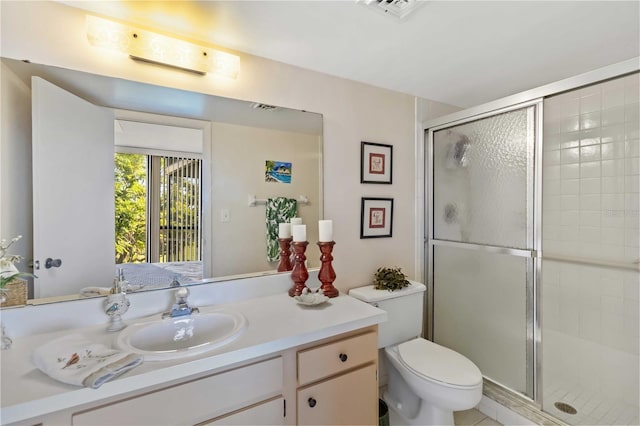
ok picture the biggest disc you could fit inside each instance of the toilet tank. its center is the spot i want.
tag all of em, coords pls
(404, 307)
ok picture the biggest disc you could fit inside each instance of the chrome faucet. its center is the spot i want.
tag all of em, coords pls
(181, 307)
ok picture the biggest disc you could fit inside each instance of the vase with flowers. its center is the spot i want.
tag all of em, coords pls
(8, 270)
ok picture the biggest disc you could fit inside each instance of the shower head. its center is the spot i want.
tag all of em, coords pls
(457, 152)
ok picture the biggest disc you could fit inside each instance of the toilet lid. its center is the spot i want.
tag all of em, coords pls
(438, 363)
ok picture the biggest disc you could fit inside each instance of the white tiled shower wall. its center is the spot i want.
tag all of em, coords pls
(590, 313)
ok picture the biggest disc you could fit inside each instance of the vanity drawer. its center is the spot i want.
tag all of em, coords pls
(195, 401)
(348, 399)
(335, 357)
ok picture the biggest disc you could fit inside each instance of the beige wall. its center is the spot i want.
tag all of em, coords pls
(238, 157)
(53, 34)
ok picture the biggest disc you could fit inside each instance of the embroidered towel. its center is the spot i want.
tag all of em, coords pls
(77, 361)
(279, 210)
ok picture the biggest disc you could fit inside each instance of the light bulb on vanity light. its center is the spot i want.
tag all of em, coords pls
(295, 221)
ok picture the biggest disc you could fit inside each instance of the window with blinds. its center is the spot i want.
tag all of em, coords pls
(158, 208)
(179, 208)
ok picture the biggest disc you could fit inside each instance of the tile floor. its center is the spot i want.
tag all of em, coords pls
(471, 417)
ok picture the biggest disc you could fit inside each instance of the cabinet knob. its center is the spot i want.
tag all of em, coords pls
(343, 357)
(312, 402)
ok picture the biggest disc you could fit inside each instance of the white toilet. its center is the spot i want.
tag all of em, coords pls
(427, 382)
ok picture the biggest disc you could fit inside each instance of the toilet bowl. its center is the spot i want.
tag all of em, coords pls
(426, 382)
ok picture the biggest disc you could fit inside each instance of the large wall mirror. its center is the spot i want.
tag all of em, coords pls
(169, 186)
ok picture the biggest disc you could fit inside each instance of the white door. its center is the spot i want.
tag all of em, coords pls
(73, 200)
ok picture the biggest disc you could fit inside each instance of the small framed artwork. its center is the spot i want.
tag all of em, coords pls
(377, 218)
(277, 171)
(375, 163)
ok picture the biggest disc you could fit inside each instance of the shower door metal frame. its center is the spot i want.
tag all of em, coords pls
(533, 240)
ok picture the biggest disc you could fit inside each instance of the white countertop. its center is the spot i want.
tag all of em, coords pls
(275, 323)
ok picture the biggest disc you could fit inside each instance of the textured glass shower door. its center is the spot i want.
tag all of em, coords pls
(481, 243)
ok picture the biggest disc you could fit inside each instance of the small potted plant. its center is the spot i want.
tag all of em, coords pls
(390, 279)
(8, 270)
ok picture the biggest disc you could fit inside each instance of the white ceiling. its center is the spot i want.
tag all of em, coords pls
(462, 53)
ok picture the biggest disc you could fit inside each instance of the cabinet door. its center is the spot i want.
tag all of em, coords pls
(266, 413)
(195, 401)
(349, 399)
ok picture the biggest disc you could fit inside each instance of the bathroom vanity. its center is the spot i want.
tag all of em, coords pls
(293, 364)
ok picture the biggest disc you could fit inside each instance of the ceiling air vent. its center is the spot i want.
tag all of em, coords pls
(263, 107)
(398, 8)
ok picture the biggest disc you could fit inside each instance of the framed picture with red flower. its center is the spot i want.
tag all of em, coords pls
(376, 163)
(377, 218)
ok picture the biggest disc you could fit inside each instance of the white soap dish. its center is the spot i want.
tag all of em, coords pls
(308, 298)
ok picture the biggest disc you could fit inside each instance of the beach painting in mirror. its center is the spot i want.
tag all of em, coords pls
(277, 171)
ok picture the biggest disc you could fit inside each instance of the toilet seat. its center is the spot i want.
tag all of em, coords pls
(437, 363)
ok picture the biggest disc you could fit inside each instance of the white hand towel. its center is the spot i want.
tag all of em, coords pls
(77, 361)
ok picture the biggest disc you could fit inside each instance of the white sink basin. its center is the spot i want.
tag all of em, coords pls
(173, 338)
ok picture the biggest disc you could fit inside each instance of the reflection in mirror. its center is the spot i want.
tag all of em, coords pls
(109, 174)
(158, 204)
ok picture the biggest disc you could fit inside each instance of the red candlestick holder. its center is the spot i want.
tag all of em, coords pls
(299, 274)
(327, 275)
(285, 254)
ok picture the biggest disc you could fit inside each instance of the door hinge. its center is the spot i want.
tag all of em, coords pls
(284, 408)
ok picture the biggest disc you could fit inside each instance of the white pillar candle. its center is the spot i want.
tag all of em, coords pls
(299, 233)
(296, 221)
(325, 230)
(284, 230)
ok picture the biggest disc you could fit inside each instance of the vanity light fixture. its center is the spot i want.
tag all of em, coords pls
(147, 46)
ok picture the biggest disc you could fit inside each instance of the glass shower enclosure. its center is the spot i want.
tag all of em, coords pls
(533, 246)
(482, 242)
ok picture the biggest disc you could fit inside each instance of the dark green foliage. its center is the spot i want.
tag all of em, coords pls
(390, 279)
(131, 207)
